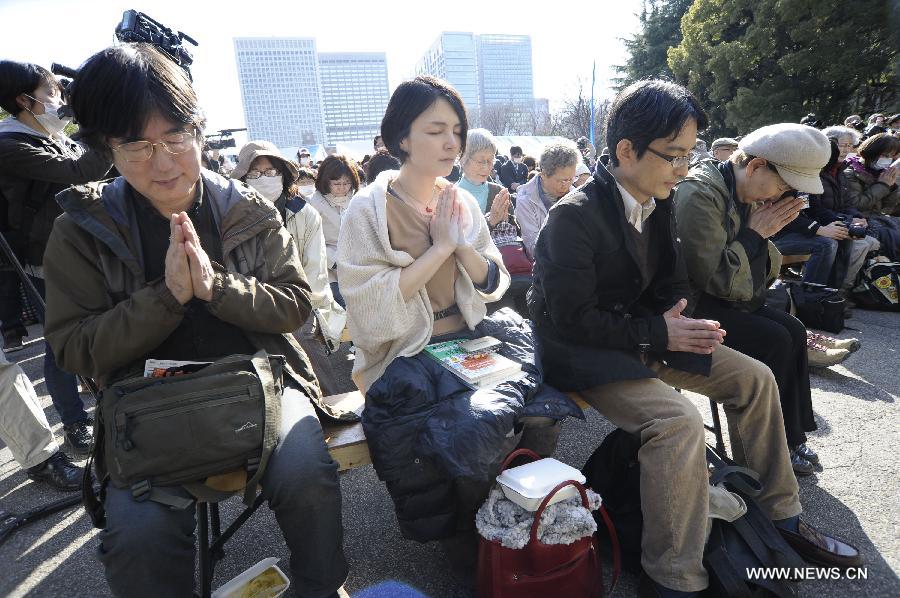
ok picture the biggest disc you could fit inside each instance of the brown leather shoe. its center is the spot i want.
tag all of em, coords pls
(820, 549)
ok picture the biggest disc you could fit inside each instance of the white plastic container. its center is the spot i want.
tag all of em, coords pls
(236, 588)
(527, 485)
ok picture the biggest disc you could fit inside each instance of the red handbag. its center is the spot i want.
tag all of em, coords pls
(539, 570)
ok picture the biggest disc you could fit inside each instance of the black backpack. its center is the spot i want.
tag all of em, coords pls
(751, 541)
(877, 286)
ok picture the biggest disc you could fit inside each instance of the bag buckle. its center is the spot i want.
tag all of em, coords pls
(140, 491)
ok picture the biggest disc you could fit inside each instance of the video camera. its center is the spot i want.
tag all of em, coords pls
(222, 139)
(138, 27)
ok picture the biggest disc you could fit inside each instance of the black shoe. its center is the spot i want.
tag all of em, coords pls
(79, 437)
(12, 339)
(807, 453)
(801, 466)
(57, 471)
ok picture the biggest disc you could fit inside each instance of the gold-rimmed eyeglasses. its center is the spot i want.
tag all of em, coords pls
(141, 151)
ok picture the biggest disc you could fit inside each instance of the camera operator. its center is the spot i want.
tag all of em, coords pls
(37, 161)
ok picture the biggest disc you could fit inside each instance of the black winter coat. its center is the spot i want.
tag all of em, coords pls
(425, 427)
(590, 314)
(33, 169)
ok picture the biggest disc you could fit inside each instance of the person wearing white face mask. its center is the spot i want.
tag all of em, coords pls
(336, 184)
(37, 161)
(262, 167)
(303, 158)
(514, 173)
(872, 189)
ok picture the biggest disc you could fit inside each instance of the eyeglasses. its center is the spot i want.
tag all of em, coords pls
(141, 151)
(482, 163)
(255, 174)
(675, 161)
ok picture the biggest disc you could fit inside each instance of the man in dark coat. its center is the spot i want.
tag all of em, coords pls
(514, 173)
(609, 301)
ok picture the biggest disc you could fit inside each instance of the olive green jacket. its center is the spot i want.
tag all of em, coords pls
(103, 317)
(717, 261)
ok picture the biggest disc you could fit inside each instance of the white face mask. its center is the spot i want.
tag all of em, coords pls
(269, 187)
(517, 160)
(883, 162)
(50, 119)
(307, 190)
(304, 161)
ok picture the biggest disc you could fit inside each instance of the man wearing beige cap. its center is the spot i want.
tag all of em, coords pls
(726, 212)
(723, 147)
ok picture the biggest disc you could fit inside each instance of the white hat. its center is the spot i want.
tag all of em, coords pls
(581, 168)
(798, 153)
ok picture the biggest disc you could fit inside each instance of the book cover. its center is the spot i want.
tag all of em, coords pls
(479, 368)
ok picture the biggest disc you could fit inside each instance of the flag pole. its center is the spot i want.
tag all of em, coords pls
(593, 79)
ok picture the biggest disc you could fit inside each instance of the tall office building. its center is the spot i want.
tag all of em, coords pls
(504, 70)
(281, 90)
(354, 94)
(453, 57)
(487, 70)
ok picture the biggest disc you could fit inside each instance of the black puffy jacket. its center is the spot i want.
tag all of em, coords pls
(425, 427)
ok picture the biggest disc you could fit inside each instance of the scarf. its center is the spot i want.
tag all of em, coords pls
(339, 202)
(479, 192)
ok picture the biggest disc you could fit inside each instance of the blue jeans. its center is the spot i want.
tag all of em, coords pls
(336, 292)
(62, 386)
(147, 548)
(822, 252)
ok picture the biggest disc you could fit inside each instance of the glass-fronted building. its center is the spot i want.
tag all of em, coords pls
(354, 94)
(281, 90)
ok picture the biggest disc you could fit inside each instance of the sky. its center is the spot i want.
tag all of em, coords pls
(567, 36)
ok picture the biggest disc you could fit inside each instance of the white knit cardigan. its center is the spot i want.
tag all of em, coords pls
(382, 325)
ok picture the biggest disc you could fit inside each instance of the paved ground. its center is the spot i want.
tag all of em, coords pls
(857, 496)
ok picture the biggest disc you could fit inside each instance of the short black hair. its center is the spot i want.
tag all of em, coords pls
(515, 151)
(118, 89)
(17, 78)
(648, 110)
(375, 141)
(380, 162)
(411, 99)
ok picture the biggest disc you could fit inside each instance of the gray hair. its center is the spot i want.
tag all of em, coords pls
(478, 140)
(559, 155)
(838, 131)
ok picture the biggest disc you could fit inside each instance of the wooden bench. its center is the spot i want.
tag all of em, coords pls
(347, 442)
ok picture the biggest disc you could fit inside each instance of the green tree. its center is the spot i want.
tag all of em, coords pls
(647, 50)
(757, 62)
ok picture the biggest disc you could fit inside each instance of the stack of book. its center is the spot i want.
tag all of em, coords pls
(475, 361)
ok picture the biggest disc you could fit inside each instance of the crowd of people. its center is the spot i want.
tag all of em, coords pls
(623, 276)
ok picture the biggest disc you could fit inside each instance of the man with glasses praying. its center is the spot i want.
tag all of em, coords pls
(610, 304)
(170, 261)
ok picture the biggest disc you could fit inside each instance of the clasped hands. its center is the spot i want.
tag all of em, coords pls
(449, 222)
(189, 272)
(689, 335)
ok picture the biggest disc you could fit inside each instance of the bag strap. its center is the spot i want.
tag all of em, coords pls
(546, 501)
(725, 570)
(519, 453)
(143, 491)
(617, 552)
(743, 479)
(94, 502)
(272, 398)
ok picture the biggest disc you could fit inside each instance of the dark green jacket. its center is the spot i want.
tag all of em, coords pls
(714, 247)
(103, 317)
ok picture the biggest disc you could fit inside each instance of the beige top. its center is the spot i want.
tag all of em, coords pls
(408, 230)
(382, 323)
